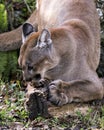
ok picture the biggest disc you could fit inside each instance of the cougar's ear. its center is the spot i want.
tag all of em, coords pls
(44, 39)
(27, 29)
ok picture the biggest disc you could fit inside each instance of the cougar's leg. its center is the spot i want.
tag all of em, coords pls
(61, 92)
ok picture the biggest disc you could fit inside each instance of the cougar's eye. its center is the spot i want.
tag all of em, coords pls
(30, 68)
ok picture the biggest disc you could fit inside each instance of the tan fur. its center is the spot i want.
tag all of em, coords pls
(74, 56)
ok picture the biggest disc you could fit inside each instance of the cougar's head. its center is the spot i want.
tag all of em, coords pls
(37, 54)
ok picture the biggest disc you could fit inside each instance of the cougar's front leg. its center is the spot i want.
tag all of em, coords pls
(61, 92)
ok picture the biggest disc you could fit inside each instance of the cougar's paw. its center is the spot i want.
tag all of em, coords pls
(42, 83)
(57, 95)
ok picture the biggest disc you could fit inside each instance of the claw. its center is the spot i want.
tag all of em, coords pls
(53, 86)
(56, 95)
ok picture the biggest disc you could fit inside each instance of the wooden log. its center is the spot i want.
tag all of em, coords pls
(36, 103)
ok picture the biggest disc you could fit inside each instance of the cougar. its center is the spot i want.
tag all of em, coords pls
(64, 48)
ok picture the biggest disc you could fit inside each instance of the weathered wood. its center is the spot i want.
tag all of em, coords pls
(37, 105)
(36, 102)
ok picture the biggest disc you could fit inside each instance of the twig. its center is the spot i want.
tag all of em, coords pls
(27, 6)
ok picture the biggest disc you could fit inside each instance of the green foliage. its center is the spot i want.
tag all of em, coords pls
(22, 10)
(18, 11)
(8, 60)
(12, 104)
(8, 64)
(100, 7)
(3, 62)
(3, 18)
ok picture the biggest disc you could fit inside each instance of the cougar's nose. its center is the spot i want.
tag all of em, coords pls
(37, 76)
